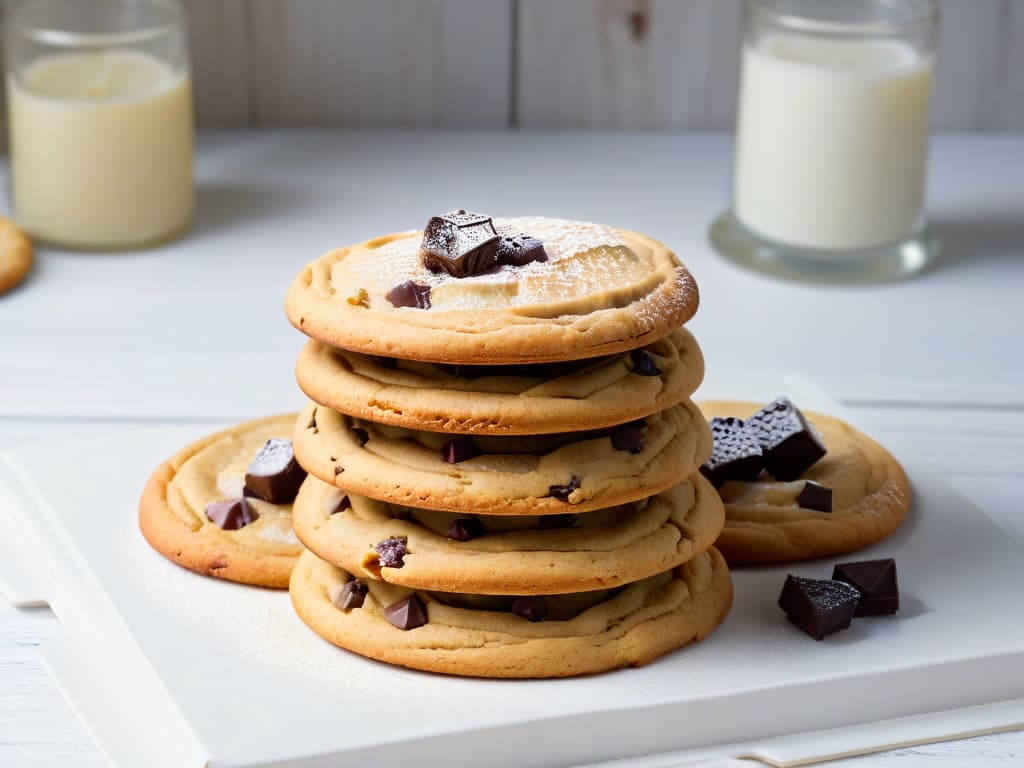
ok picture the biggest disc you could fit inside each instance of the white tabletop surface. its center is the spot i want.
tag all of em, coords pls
(194, 332)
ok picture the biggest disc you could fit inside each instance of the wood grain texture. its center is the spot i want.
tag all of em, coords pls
(220, 61)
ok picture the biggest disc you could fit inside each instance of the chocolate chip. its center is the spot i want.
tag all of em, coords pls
(818, 606)
(459, 243)
(274, 475)
(517, 250)
(231, 515)
(554, 522)
(562, 492)
(360, 434)
(643, 363)
(876, 581)
(629, 437)
(459, 449)
(340, 504)
(407, 613)
(349, 595)
(815, 496)
(391, 552)
(409, 294)
(790, 445)
(531, 608)
(464, 529)
(735, 455)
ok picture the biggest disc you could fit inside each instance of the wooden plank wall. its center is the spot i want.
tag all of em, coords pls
(602, 64)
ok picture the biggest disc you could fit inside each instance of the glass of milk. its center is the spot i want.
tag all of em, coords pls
(831, 140)
(99, 104)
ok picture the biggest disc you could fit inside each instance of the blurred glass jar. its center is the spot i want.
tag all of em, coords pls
(831, 139)
(101, 130)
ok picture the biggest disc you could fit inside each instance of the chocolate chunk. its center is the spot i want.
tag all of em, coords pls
(818, 606)
(553, 522)
(391, 552)
(790, 445)
(562, 492)
(360, 434)
(334, 506)
(459, 449)
(629, 437)
(409, 294)
(274, 475)
(517, 250)
(459, 243)
(643, 363)
(531, 608)
(464, 529)
(735, 455)
(876, 581)
(349, 595)
(815, 496)
(231, 515)
(407, 613)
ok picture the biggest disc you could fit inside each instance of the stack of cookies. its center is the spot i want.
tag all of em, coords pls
(501, 449)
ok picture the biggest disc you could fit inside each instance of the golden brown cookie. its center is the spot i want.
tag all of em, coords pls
(766, 524)
(535, 399)
(482, 637)
(600, 290)
(173, 509)
(510, 555)
(15, 255)
(511, 475)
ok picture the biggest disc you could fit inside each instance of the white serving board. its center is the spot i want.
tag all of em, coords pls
(167, 668)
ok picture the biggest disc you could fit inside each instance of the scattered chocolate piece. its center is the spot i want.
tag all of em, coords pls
(343, 503)
(407, 613)
(553, 522)
(629, 437)
(391, 552)
(815, 496)
(818, 606)
(409, 294)
(459, 449)
(562, 492)
(643, 363)
(790, 445)
(361, 435)
(459, 243)
(274, 475)
(735, 455)
(531, 608)
(517, 250)
(876, 581)
(361, 299)
(464, 529)
(231, 515)
(349, 595)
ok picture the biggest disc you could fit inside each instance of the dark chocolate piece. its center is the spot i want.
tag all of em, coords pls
(464, 529)
(643, 363)
(818, 606)
(553, 522)
(391, 552)
(789, 443)
(531, 608)
(876, 580)
(459, 243)
(231, 515)
(517, 250)
(340, 505)
(735, 455)
(407, 613)
(361, 435)
(562, 492)
(629, 437)
(274, 475)
(352, 595)
(409, 294)
(815, 496)
(459, 449)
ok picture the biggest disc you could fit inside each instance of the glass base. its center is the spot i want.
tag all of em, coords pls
(879, 264)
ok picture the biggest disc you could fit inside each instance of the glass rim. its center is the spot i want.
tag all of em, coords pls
(929, 15)
(49, 35)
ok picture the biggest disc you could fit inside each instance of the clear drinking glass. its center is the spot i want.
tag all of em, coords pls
(99, 103)
(832, 139)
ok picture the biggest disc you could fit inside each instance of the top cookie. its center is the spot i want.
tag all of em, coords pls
(598, 290)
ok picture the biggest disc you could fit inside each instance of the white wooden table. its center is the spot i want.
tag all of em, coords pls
(194, 332)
